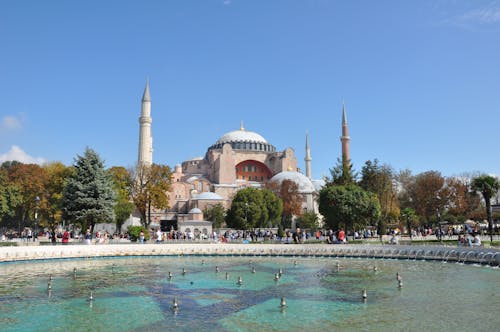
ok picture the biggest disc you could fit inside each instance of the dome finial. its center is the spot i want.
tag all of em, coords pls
(241, 125)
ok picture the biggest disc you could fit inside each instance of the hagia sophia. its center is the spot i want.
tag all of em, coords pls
(238, 159)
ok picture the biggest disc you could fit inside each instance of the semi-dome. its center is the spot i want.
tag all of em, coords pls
(305, 185)
(194, 211)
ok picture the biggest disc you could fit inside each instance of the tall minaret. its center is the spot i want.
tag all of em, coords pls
(145, 137)
(308, 158)
(345, 139)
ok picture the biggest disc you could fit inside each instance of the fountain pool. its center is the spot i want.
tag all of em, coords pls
(136, 294)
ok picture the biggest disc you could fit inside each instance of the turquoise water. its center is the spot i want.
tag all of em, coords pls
(135, 294)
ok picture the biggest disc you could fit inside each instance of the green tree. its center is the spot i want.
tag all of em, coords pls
(122, 185)
(379, 180)
(216, 214)
(135, 231)
(246, 209)
(274, 208)
(308, 220)
(51, 204)
(348, 206)
(342, 173)
(410, 218)
(149, 189)
(10, 197)
(88, 197)
(488, 186)
(252, 208)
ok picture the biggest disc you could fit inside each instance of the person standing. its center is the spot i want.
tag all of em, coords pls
(53, 237)
(88, 237)
(65, 237)
(341, 236)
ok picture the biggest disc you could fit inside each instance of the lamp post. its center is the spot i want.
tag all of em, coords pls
(37, 203)
(246, 217)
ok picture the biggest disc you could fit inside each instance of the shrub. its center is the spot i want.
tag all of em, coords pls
(135, 231)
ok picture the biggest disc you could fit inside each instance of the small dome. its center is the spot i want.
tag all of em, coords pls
(318, 184)
(305, 185)
(192, 178)
(194, 211)
(241, 136)
(207, 195)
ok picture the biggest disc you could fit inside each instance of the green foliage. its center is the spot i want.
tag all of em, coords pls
(51, 204)
(488, 186)
(379, 179)
(89, 197)
(123, 209)
(410, 218)
(215, 214)
(253, 208)
(273, 206)
(135, 231)
(342, 174)
(10, 197)
(348, 206)
(308, 220)
(381, 227)
(122, 185)
(281, 231)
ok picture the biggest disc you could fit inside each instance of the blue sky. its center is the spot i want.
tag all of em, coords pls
(420, 79)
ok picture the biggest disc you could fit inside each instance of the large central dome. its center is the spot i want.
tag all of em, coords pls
(241, 136)
(244, 140)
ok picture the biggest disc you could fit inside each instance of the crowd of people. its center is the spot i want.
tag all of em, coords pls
(465, 236)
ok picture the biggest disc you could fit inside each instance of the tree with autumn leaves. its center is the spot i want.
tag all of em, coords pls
(23, 183)
(149, 187)
(288, 192)
(84, 193)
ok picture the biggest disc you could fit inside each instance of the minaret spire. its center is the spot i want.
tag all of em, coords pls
(345, 139)
(308, 157)
(145, 137)
(145, 96)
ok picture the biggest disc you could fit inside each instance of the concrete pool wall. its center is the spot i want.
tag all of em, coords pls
(476, 255)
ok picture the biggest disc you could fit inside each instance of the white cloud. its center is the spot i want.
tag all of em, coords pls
(16, 153)
(487, 15)
(10, 122)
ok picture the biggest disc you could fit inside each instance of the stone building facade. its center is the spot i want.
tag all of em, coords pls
(238, 159)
